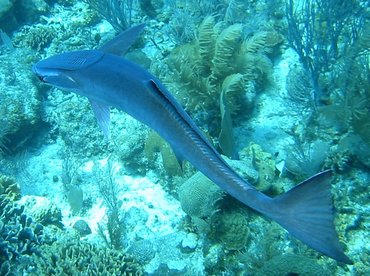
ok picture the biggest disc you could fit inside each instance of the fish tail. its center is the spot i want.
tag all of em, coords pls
(306, 211)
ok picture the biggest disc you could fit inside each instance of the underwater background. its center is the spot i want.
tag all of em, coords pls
(280, 87)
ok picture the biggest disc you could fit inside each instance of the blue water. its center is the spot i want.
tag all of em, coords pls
(280, 88)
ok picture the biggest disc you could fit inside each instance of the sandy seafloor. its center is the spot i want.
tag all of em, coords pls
(152, 213)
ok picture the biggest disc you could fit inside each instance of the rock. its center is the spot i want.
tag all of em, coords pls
(82, 227)
(189, 243)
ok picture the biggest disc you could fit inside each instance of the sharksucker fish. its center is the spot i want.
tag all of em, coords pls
(108, 80)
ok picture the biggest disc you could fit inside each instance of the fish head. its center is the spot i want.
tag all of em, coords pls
(61, 70)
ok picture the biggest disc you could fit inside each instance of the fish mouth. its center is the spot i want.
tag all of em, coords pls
(40, 74)
(42, 79)
(37, 73)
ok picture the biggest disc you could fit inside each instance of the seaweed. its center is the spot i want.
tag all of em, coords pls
(212, 74)
(232, 83)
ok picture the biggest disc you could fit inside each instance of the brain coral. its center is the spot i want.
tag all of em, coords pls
(291, 264)
(142, 251)
(231, 228)
(198, 195)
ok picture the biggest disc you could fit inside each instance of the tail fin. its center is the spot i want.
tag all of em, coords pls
(306, 211)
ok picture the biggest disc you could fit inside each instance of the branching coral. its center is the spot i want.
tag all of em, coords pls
(36, 37)
(299, 89)
(26, 249)
(206, 42)
(19, 236)
(74, 257)
(232, 84)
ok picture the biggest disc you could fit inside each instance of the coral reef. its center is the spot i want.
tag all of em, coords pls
(264, 164)
(352, 147)
(335, 62)
(42, 210)
(198, 196)
(109, 192)
(20, 105)
(299, 89)
(36, 37)
(23, 249)
(322, 32)
(214, 261)
(142, 251)
(216, 71)
(132, 138)
(155, 144)
(171, 255)
(244, 167)
(306, 160)
(16, 13)
(290, 264)
(9, 187)
(231, 229)
(87, 140)
(70, 258)
(82, 227)
(19, 236)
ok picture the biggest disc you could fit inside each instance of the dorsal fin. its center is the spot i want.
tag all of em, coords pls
(122, 42)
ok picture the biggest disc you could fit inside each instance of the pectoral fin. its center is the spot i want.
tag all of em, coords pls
(102, 115)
